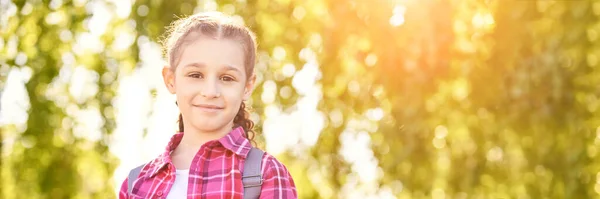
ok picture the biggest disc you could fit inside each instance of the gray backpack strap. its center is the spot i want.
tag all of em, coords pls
(252, 176)
(133, 175)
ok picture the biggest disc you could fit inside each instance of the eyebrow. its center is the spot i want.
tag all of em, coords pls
(202, 65)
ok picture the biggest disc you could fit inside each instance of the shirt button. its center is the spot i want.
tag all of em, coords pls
(159, 193)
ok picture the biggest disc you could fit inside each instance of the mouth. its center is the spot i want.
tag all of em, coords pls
(209, 107)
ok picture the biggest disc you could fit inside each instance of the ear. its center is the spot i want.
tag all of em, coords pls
(249, 87)
(169, 79)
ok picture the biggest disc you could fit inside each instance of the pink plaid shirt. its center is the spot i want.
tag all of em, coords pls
(216, 172)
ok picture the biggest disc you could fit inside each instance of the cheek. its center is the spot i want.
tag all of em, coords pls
(234, 95)
(185, 91)
(185, 86)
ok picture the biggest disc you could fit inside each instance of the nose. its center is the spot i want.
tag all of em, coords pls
(211, 89)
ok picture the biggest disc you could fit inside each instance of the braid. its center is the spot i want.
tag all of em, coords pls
(180, 122)
(243, 119)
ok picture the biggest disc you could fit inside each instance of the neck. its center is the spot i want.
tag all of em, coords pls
(193, 138)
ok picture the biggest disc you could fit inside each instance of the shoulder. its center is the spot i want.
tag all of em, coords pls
(132, 175)
(271, 164)
(277, 180)
(123, 193)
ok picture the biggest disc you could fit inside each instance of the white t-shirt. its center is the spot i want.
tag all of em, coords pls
(179, 188)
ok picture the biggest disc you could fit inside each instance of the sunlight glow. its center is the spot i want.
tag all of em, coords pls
(21, 59)
(441, 131)
(299, 12)
(145, 122)
(83, 84)
(375, 114)
(288, 70)
(353, 87)
(483, 20)
(439, 143)
(55, 4)
(65, 35)
(460, 90)
(55, 18)
(356, 150)
(495, 154)
(9, 10)
(371, 59)
(438, 194)
(15, 100)
(210, 5)
(88, 124)
(87, 41)
(228, 9)
(80, 2)
(101, 17)
(336, 117)
(300, 126)
(123, 7)
(269, 91)
(142, 10)
(285, 92)
(305, 78)
(279, 53)
(397, 18)
(123, 41)
(27, 8)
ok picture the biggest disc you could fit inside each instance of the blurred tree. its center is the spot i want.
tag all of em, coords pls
(74, 51)
(458, 99)
(58, 155)
(479, 97)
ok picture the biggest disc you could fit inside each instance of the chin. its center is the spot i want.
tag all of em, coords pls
(209, 126)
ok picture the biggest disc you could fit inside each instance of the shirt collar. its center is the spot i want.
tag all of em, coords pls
(234, 141)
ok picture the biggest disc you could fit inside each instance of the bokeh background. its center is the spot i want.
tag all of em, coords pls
(358, 98)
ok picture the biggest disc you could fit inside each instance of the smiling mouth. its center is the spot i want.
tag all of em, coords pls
(208, 107)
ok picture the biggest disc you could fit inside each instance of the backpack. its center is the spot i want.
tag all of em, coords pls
(251, 177)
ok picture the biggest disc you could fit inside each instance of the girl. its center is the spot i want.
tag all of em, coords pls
(211, 62)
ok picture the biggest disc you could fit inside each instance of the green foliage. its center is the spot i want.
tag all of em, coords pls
(477, 99)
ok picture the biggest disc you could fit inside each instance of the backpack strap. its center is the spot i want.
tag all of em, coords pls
(252, 176)
(133, 175)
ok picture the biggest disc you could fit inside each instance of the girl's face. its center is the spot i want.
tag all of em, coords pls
(210, 83)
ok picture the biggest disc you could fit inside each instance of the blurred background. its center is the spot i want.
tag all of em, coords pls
(358, 98)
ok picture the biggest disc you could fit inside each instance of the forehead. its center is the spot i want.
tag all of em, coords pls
(214, 53)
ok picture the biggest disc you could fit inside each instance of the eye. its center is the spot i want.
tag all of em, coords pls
(227, 78)
(195, 75)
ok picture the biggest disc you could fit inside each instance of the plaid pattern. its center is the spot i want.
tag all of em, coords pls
(216, 172)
